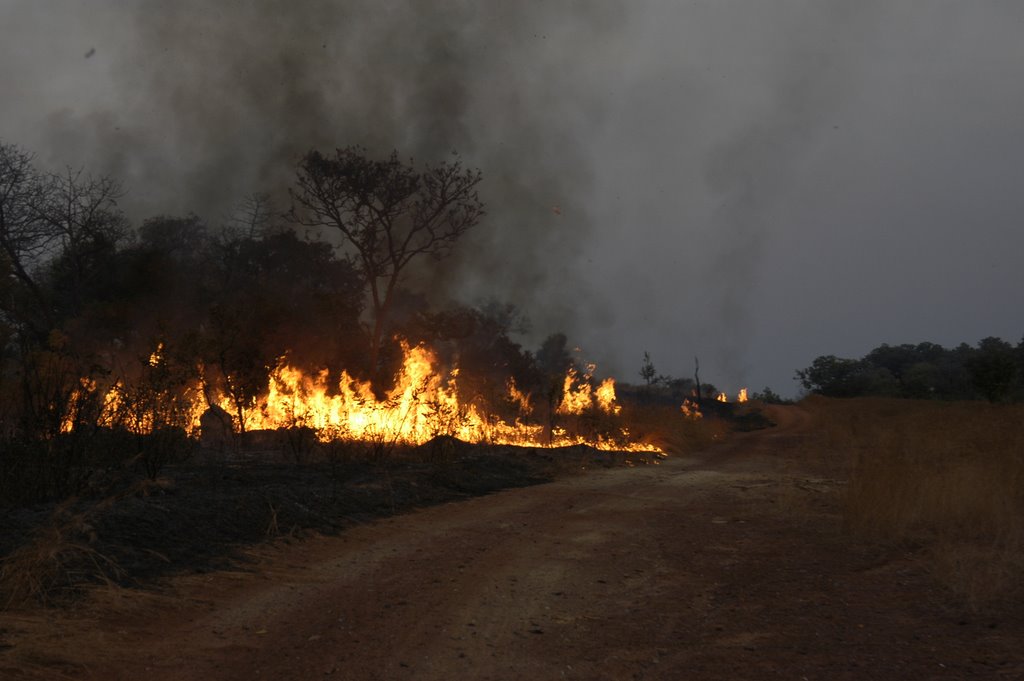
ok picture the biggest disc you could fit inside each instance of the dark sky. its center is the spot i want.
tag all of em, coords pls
(756, 183)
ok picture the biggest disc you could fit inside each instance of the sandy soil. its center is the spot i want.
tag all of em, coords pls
(728, 565)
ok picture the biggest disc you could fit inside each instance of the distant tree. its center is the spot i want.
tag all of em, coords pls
(647, 370)
(916, 369)
(955, 380)
(553, 357)
(680, 388)
(919, 381)
(25, 237)
(993, 370)
(88, 228)
(993, 367)
(708, 391)
(388, 214)
(252, 216)
(1019, 355)
(833, 376)
(769, 396)
(180, 238)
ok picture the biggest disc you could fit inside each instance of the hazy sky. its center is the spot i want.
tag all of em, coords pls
(757, 183)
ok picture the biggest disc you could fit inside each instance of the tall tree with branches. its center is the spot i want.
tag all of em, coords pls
(24, 236)
(389, 213)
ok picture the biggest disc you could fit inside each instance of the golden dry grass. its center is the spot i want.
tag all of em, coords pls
(665, 427)
(946, 477)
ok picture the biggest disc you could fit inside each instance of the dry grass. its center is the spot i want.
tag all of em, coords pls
(55, 563)
(947, 477)
(666, 427)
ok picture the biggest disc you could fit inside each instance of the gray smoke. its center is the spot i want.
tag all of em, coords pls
(209, 102)
(692, 177)
(753, 170)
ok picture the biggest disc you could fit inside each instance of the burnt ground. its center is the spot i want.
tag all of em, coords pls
(202, 516)
(724, 564)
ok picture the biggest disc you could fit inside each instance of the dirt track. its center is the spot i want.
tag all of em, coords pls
(729, 565)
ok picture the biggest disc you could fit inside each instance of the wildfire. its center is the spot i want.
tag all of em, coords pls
(691, 411)
(519, 398)
(740, 397)
(579, 396)
(422, 405)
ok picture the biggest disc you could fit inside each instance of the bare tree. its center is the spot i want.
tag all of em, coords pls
(252, 216)
(81, 215)
(24, 236)
(647, 370)
(388, 213)
(70, 215)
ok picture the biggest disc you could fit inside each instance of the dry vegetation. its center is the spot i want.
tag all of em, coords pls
(665, 427)
(945, 478)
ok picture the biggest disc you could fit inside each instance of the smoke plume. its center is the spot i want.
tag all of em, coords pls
(207, 103)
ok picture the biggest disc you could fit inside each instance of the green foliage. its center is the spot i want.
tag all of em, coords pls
(993, 370)
(769, 396)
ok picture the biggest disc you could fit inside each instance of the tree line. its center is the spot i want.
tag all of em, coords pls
(991, 370)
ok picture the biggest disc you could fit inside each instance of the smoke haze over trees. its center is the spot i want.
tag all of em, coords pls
(690, 178)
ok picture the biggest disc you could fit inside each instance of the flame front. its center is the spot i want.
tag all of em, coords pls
(423, 404)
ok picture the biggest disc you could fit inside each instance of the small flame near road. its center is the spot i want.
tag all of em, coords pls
(740, 397)
(691, 410)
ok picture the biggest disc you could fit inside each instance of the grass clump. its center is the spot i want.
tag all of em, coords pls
(55, 563)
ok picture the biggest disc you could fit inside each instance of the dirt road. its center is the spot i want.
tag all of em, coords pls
(728, 565)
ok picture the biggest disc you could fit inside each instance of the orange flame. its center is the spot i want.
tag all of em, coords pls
(579, 396)
(742, 397)
(519, 398)
(691, 411)
(422, 405)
